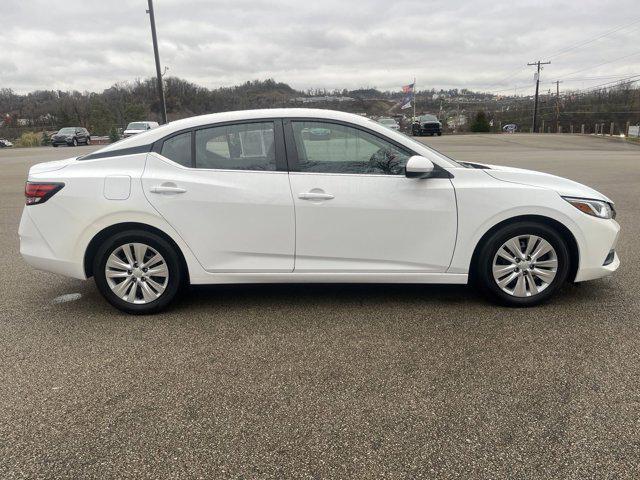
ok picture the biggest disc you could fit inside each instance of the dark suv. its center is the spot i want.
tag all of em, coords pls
(426, 125)
(71, 136)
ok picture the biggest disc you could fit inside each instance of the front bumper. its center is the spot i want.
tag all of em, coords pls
(595, 255)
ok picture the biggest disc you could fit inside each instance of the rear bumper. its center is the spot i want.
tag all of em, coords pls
(38, 253)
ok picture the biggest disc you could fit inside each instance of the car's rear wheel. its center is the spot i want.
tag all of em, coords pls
(138, 272)
(522, 264)
(55, 145)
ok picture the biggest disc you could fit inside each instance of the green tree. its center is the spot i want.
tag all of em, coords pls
(134, 112)
(46, 139)
(100, 117)
(480, 123)
(114, 136)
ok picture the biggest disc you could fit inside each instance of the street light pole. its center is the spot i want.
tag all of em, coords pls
(163, 105)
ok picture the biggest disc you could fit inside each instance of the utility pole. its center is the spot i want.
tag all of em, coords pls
(163, 105)
(535, 105)
(558, 82)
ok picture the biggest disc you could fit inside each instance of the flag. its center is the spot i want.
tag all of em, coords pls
(406, 101)
(408, 88)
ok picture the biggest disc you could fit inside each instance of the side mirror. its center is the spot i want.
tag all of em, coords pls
(419, 167)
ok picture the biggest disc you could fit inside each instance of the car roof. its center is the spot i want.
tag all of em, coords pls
(151, 136)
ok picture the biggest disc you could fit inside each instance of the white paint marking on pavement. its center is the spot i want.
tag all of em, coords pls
(68, 297)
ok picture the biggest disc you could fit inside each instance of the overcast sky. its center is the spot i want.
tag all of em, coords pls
(92, 44)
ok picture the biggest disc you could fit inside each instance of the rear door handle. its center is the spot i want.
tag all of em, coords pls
(168, 189)
(315, 196)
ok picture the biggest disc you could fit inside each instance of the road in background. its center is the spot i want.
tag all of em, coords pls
(314, 381)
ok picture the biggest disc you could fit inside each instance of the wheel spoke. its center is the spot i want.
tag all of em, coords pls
(121, 289)
(544, 247)
(500, 270)
(158, 271)
(531, 242)
(520, 289)
(158, 287)
(544, 275)
(532, 287)
(552, 263)
(507, 280)
(116, 274)
(153, 260)
(506, 254)
(147, 294)
(127, 253)
(514, 246)
(139, 250)
(114, 262)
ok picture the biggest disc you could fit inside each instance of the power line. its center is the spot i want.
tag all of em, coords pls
(600, 64)
(591, 40)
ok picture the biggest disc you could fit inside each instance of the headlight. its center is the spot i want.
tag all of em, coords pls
(595, 208)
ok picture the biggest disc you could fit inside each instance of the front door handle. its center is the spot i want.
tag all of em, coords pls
(315, 196)
(167, 189)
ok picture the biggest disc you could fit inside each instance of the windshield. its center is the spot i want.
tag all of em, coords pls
(137, 126)
(429, 118)
(435, 152)
(67, 130)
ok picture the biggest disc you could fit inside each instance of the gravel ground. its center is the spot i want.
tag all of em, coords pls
(313, 381)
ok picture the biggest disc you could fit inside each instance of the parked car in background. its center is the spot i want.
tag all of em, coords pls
(510, 128)
(72, 136)
(138, 127)
(4, 143)
(389, 123)
(254, 196)
(426, 125)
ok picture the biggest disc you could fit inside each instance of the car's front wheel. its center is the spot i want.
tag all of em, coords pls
(522, 264)
(138, 272)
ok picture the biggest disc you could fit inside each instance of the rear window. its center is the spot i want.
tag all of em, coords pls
(178, 149)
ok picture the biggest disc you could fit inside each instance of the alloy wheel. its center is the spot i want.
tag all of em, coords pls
(136, 273)
(525, 265)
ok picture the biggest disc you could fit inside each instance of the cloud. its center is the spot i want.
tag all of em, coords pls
(92, 44)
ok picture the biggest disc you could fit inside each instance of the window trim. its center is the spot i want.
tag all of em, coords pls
(292, 149)
(279, 144)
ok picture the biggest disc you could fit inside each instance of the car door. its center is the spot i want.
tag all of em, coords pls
(225, 190)
(356, 211)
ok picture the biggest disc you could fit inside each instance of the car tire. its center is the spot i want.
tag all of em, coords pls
(87, 141)
(528, 278)
(55, 145)
(74, 142)
(439, 134)
(152, 293)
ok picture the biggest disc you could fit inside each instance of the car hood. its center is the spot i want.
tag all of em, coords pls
(561, 185)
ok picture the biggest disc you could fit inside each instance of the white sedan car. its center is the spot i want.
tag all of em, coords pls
(257, 197)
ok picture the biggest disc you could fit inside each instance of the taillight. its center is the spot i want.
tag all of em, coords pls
(36, 192)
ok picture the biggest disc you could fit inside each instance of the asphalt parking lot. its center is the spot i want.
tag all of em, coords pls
(313, 381)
